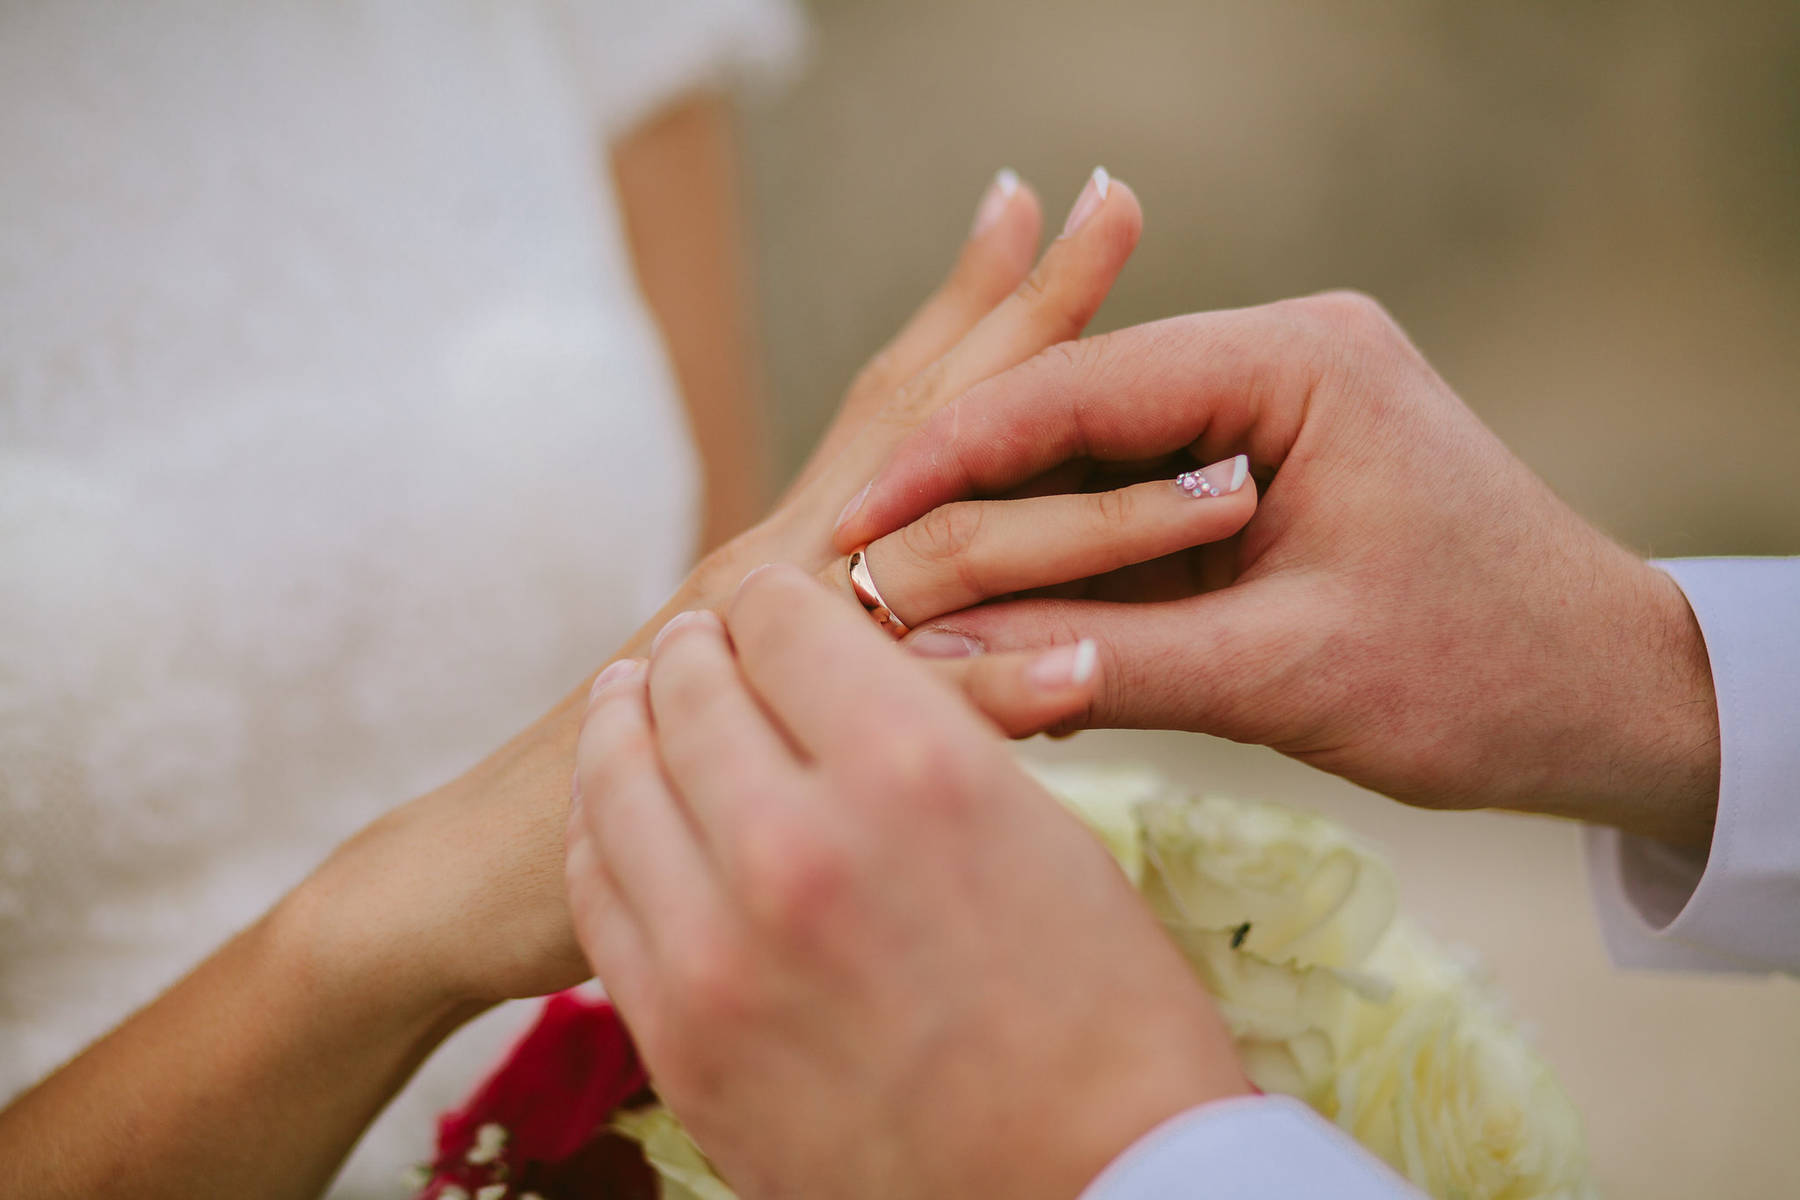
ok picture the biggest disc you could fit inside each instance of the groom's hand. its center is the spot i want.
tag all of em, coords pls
(862, 953)
(1410, 607)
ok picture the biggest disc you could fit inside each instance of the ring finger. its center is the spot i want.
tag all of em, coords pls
(962, 554)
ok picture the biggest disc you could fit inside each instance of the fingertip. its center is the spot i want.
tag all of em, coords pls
(767, 584)
(847, 534)
(753, 582)
(1123, 220)
(1017, 238)
(1129, 208)
(860, 521)
(994, 202)
(1087, 661)
(1003, 243)
(1062, 668)
(1107, 209)
(691, 620)
(621, 671)
(935, 642)
(922, 472)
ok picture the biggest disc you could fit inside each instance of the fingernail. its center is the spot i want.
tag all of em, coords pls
(856, 502)
(941, 643)
(752, 573)
(681, 620)
(1065, 666)
(1220, 479)
(994, 200)
(616, 672)
(1091, 198)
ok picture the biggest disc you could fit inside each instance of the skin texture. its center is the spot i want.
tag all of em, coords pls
(1410, 607)
(255, 1074)
(782, 859)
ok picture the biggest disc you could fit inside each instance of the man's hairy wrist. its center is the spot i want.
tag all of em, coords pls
(1680, 726)
(1640, 750)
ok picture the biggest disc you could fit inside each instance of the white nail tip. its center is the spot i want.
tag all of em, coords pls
(1007, 180)
(1102, 181)
(1240, 471)
(1087, 656)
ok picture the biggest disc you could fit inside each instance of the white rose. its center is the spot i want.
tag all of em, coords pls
(1330, 998)
(1443, 1087)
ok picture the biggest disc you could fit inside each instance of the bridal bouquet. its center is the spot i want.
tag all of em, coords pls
(1330, 995)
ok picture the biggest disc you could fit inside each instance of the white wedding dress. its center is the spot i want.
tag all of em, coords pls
(335, 445)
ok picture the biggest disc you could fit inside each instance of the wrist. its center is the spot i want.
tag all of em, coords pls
(349, 949)
(1676, 735)
(1642, 755)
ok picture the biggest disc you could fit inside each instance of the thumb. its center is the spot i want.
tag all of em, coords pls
(1023, 694)
(1207, 664)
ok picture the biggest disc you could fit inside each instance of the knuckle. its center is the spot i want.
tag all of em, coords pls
(1117, 507)
(915, 399)
(1355, 342)
(1057, 304)
(1350, 316)
(794, 875)
(1036, 288)
(712, 979)
(921, 772)
(1073, 357)
(944, 533)
(876, 378)
(1119, 680)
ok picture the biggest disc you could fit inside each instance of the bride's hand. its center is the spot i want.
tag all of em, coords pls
(467, 879)
(990, 314)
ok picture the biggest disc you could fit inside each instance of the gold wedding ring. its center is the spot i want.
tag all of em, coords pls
(863, 584)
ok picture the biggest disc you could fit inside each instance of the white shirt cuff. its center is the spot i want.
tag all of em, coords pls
(1736, 908)
(1254, 1148)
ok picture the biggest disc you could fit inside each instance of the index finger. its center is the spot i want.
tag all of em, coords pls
(1221, 382)
(833, 680)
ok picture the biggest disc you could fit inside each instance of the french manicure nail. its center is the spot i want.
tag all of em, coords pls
(1092, 197)
(856, 502)
(1065, 666)
(616, 672)
(941, 643)
(1220, 479)
(994, 201)
(679, 620)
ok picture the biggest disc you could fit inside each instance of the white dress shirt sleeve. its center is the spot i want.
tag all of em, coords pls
(1737, 906)
(1256, 1148)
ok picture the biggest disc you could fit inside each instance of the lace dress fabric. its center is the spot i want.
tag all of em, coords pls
(335, 445)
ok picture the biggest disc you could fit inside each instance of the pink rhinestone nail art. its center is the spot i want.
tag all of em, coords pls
(1196, 485)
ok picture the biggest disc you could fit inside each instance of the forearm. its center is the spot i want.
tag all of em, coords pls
(677, 184)
(254, 1075)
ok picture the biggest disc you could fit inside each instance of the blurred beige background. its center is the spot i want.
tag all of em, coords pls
(1587, 214)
